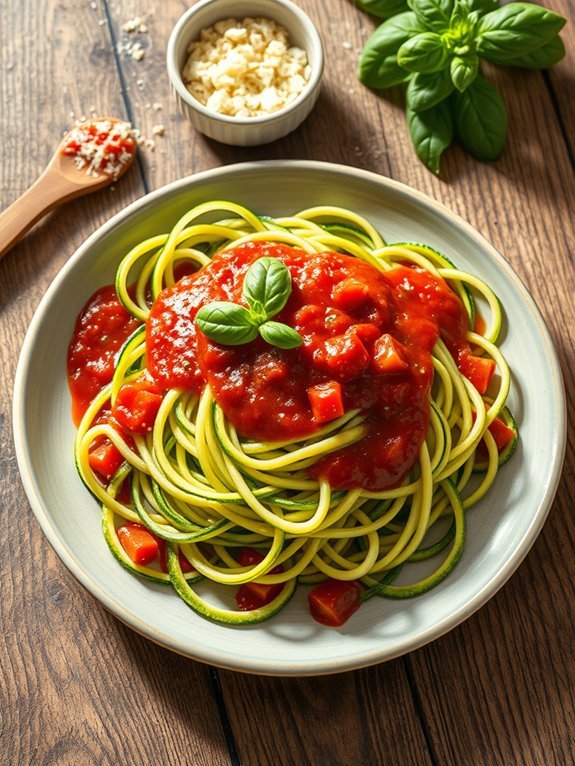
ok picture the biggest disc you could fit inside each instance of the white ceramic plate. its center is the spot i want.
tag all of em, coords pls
(501, 529)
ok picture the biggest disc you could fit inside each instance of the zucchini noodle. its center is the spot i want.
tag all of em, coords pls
(205, 490)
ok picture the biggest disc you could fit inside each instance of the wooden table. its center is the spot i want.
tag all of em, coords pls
(77, 687)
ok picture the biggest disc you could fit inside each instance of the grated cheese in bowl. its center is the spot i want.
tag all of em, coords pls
(245, 68)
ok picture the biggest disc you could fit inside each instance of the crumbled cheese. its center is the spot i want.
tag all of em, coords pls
(134, 25)
(100, 146)
(158, 130)
(132, 48)
(137, 52)
(245, 68)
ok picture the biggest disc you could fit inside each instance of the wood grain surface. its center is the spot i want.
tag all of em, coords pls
(76, 686)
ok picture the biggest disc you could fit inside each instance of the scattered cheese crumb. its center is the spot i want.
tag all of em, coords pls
(134, 25)
(137, 52)
(156, 106)
(158, 130)
(245, 68)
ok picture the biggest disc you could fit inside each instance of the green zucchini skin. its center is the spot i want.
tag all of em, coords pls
(217, 614)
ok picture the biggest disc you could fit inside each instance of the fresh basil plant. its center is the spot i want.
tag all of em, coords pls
(436, 48)
(266, 289)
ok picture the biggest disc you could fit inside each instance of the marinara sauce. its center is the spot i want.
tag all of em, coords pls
(349, 314)
(100, 331)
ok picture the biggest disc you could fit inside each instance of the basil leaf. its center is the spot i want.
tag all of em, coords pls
(279, 334)
(434, 15)
(267, 287)
(483, 6)
(227, 323)
(382, 9)
(515, 30)
(378, 67)
(463, 70)
(427, 90)
(424, 53)
(431, 132)
(480, 119)
(543, 58)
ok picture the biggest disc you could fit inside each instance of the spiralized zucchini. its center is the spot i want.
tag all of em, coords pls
(204, 489)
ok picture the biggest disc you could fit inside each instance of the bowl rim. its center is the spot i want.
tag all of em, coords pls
(309, 89)
(263, 666)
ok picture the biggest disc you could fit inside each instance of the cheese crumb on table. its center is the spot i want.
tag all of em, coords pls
(245, 68)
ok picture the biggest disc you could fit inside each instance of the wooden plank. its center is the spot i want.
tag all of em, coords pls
(500, 689)
(364, 717)
(560, 77)
(76, 686)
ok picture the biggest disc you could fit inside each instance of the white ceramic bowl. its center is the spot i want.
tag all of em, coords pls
(500, 528)
(245, 131)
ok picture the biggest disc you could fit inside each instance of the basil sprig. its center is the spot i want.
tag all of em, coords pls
(436, 48)
(266, 289)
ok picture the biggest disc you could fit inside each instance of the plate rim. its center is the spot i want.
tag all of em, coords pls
(264, 666)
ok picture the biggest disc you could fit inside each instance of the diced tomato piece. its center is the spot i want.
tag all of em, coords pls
(259, 593)
(247, 598)
(185, 565)
(124, 494)
(310, 315)
(346, 355)
(139, 543)
(388, 356)
(326, 401)
(72, 147)
(334, 601)
(252, 595)
(249, 557)
(105, 459)
(135, 408)
(350, 293)
(366, 331)
(501, 433)
(477, 369)
(336, 321)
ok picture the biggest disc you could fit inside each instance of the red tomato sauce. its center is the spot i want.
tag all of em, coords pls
(341, 307)
(371, 332)
(100, 332)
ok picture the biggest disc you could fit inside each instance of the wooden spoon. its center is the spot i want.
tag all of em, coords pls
(62, 181)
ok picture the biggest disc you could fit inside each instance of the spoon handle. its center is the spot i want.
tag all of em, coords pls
(46, 193)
